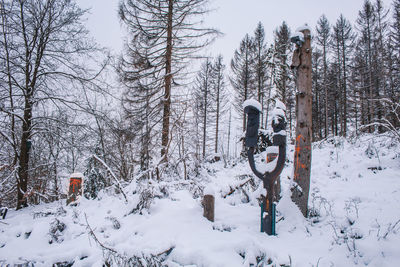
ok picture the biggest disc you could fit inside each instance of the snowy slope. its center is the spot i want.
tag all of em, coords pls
(354, 200)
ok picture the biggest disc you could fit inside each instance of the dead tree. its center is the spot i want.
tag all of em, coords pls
(302, 157)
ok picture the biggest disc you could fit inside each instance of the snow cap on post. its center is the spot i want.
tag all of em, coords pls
(252, 103)
(76, 175)
(209, 190)
(303, 28)
(279, 122)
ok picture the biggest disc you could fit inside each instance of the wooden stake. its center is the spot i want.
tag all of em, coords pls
(208, 205)
(302, 156)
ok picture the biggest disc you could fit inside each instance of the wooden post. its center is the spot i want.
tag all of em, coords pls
(75, 187)
(208, 205)
(277, 185)
(302, 156)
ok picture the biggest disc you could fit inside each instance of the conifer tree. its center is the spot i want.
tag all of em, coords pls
(323, 40)
(164, 35)
(262, 57)
(284, 89)
(242, 78)
(95, 177)
(366, 22)
(342, 42)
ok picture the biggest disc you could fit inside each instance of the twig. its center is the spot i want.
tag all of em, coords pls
(390, 229)
(95, 237)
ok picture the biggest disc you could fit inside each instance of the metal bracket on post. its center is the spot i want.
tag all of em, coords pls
(253, 108)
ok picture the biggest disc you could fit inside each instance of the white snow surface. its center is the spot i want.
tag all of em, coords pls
(252, 102)
(354, 202)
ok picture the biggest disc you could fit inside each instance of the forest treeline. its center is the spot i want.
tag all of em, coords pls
(62, 112)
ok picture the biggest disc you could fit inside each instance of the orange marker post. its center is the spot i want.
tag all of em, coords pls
(75, 187)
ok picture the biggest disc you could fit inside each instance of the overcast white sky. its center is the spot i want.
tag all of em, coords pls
(234, 18)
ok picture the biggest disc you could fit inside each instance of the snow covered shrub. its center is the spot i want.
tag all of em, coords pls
(56, 230)
(250, 259)
(64, 264)
(95, 179)
(320, 208)
(347, 231)
(113, 258)
(115, 223)
(145, 199)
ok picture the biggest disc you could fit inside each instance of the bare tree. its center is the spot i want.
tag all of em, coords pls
(219, 95)
(203, 100)
(45, 48)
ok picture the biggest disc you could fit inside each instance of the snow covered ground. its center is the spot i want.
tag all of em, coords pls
(354, 202)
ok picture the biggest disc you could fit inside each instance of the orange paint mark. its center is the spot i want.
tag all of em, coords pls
(298, 148)
(75, 184)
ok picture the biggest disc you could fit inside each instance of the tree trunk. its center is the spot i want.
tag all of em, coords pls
(344, 130)
(167, 86)
(205, 110)
(326, 93)
(217, 111)
(22, 183)
(302, 156)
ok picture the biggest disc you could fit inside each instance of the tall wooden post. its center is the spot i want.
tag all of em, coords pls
(302, 156)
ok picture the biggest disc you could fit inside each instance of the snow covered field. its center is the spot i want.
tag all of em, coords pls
(354, 202)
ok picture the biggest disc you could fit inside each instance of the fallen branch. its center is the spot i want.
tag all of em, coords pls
(93, 235)
(237, 187)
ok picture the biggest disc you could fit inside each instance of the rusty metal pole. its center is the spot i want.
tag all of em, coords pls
(302, 157)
